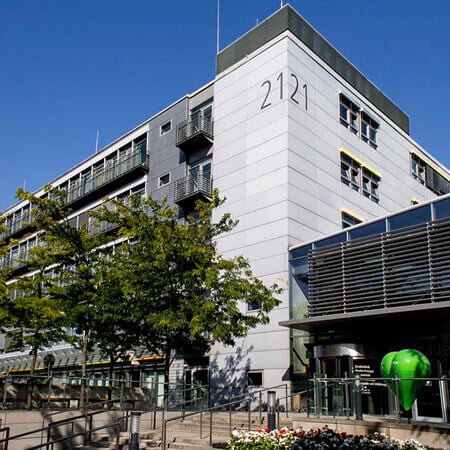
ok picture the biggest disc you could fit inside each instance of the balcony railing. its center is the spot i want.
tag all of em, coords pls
(195, 131)
(16, 225)
(193, 187)
(94, 181)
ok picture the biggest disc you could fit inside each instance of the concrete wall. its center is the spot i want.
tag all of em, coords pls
(436, 436)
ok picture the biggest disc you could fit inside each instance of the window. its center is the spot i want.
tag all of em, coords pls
(350, 172)
(371, 182)
(369, 130)
(359, 176)
(417, 168)
(201, 171)
(254, 306)
(349, 114)
(357, 121)
(164, 179)
(165, 128)
(429, 175)
(348, 220)
(254, 378)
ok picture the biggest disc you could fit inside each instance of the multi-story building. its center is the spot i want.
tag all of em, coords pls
(299, 142)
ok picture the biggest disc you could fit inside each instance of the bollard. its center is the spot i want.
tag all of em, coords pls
(134, 430)
(271, 399)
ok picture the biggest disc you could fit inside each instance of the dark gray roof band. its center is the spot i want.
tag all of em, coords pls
(288, 19)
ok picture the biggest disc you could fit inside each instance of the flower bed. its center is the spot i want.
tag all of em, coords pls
(318, 439)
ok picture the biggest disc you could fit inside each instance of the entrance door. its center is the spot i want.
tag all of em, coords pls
(196, 387)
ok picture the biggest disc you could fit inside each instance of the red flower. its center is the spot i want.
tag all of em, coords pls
(266, 430)
(282, 431)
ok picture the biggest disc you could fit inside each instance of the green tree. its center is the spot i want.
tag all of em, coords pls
(170, 272)
(115, 329)
(78, 270)
(4, 273)
(34, 317)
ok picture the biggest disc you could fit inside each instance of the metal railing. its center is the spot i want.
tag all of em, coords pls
(231, 406)
(17, 224)
(118, 427)
(192, 185)
(93, 181)
(47, 431)
(4, 431)
(339, 397)
(65, 395)
(197, 124)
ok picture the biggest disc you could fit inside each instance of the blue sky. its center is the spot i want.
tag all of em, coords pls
(69, 68)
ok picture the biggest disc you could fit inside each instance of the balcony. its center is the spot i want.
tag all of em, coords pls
(195, 132)
(101, 181)
(192, 188)
(16, 226)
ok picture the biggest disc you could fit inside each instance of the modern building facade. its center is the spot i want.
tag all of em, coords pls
(375, 288)
(299, 142)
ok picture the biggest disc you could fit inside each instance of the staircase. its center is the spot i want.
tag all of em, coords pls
(191, 433)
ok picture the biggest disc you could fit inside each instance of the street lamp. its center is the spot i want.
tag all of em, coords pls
(134, 430)
(271, 410)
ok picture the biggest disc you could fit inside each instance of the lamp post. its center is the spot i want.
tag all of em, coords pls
(271, 409)
(49, 362)
(134, 430)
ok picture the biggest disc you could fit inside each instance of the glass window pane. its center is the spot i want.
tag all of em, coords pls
(442, 209)
(368, 230)
(301, 251)
(408, 218)
(331, 240)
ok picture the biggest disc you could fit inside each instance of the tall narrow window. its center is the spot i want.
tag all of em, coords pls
(417, 168)
(349, 113)
(350, 170)
(369, 130)
(371, 183)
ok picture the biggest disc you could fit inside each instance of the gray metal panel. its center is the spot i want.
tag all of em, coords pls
(288, 19)
(165, 156)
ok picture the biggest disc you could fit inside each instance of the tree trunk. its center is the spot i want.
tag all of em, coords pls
(112, 359)
(84, 351)
(166, 378)
(31, 381)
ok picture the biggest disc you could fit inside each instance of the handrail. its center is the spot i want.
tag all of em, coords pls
(210, 409)
(367, 379)
(49, 427)
(252, 393)
(5, 430)
(71, 436)
(55, 413)
(72, 419)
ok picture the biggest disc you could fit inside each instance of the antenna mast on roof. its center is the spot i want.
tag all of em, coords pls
(96, 142)
(218, 26)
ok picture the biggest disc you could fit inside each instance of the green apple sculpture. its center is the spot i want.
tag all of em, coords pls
(407, 363)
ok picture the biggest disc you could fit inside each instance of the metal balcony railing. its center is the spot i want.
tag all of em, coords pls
(17, 224)
(93, 181)
(198, 129)
(197, 185)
